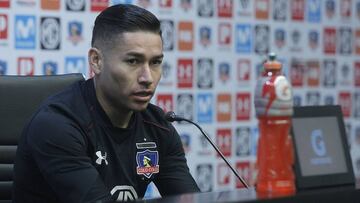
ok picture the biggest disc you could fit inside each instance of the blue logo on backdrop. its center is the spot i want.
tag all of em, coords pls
(313, 39)
(75, 30)
(224, 72)
(75, 64)
(25, 32)
(185, 140)
(297, 100)
(280, 37)
(49, 68)
(3, 67)
(204, 106)
(205, 35)
(114, 2)
(314, 11)
(243, 38)
(330, 8)
(329, 100)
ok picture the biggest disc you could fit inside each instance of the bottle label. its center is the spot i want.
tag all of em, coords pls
(273, 96)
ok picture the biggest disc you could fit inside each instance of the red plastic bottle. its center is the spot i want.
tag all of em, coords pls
(274, 108)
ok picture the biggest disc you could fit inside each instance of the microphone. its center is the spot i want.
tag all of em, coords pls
(171, 117)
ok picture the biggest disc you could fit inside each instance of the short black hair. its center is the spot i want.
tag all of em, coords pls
(121, 18)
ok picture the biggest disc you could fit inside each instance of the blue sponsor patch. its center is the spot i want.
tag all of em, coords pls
(147, 163)
(3, 67)
(243, 38)
(205, 107)
(314, 11)
(75, 64)
(25, 32)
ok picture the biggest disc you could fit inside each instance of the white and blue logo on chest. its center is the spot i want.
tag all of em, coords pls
(147, 159)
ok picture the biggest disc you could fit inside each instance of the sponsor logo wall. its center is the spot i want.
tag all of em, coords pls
(213, 55)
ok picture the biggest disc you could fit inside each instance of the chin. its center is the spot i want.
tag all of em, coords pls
(140, 107)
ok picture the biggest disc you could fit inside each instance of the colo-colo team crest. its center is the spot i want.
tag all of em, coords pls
(147, 163)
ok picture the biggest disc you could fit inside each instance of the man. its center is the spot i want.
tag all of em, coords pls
(88, 143)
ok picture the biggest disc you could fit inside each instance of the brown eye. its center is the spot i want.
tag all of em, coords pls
(132, 61)
(157, 62)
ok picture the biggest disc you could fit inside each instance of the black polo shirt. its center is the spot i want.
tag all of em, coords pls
(71, 152)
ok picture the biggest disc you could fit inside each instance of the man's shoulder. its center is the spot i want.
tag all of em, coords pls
(67, 104)
(62, 113)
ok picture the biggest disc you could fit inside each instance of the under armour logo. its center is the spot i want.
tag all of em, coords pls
(101, 158)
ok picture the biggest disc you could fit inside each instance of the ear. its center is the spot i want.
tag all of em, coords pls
(95, 60)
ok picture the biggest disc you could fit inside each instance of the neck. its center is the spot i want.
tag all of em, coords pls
(119, 117)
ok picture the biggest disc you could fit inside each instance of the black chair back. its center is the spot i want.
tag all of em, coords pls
(20, 96)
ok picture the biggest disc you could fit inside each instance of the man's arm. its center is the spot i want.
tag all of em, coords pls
(174, 176)
(59, 148)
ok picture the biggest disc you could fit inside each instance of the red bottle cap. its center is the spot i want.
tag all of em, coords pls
(272, 63)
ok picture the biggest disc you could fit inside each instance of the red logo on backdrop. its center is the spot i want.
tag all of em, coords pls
(223, 175)
(243, 70)
(329, 40)
(224, 34)
(357, 74)
(26, 66)
(243, 106)
(185, 36)
(223, 141)
(185, 70)
(313, 73)
(297, 10)
(223, 107)
(3, 26)
(345, 101)
(165, 101)
(99, 5)
(225, 8)
(4, 3)
(357, 41)
(243, 168)
(262, 9)
(297, 73)
(165, 3)
(345, 8)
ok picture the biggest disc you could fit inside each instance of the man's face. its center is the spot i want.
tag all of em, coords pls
(130, 71)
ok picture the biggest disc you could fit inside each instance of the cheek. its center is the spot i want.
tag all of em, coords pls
(157, 75)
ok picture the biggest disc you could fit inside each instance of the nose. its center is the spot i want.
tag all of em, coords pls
(145, 76)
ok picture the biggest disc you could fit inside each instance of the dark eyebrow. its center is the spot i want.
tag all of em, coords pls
(135, 54)
(159, 56)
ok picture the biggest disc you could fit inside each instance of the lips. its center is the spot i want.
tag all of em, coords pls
(143, 96)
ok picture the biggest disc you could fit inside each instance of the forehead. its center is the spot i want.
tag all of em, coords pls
(138, 41)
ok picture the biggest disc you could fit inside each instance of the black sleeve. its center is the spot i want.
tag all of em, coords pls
(59, 149)
(174, 176)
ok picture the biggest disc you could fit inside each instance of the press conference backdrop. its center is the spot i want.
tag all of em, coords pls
(213, 51)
